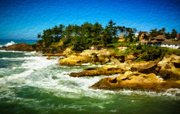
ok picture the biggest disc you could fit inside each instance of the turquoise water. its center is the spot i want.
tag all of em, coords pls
(29, 83)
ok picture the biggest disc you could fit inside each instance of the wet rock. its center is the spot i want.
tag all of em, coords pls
(50, 58)
(51, 54)
(90, 68)
(97, 72)
(134, 81)
(174, 91)
(19, 47)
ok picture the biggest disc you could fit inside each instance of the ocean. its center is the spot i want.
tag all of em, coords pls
(31, 84)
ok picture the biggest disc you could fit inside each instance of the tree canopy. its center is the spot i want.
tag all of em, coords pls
(83, 36)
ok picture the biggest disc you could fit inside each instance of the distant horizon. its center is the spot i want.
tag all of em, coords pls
(21, 19)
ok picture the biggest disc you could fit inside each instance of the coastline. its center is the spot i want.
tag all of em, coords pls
(131, 72)
(45, 86)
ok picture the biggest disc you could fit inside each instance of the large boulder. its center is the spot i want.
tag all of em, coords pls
(170, 67)
(129, 58)
(134, 81)
(105, 70)
(114, 60)
(51, 54)
(75, 60)
(68, 51)
(145, 67)
(171, 73)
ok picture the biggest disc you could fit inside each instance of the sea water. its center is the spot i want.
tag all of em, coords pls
(29, 83)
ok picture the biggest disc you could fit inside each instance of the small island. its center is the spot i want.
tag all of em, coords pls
(144, 61)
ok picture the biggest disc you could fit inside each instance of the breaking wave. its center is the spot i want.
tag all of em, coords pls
(8, 44)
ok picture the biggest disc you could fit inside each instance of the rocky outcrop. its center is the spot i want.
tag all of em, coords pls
(145, 67)
(169, 68)
(34, 47)
(134, 81)
(130, 58)
(51, 54)
(49, 58)
(93, 56)
(97, 72)
(75, 60)
(19, 47)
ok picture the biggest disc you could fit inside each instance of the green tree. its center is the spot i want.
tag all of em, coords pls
(174, 33)
(146, 37)
(153, 32)
(97, 30)
(168, 35)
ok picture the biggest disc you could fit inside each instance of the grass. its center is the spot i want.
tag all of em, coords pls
(144, 52)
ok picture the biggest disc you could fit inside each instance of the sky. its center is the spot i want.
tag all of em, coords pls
(24, 19)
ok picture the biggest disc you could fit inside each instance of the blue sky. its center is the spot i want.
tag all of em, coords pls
(24, 19)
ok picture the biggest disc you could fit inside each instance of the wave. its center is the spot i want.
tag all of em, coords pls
(8, 44)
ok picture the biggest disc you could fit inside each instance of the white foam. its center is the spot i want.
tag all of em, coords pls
(10, 43)
(40, 74)
(12, 51)
(32, 64)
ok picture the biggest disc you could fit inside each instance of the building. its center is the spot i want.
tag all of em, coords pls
(160, 40)
(157, 40)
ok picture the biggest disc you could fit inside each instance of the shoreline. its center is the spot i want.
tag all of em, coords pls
(139, 74)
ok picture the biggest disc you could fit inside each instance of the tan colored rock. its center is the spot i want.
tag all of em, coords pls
(170, 73)
(176, 63)
(125, 66)
(135, 81)
(144, 67)
(68, 51)
(75, 60)
(169, 67)
(130, 57)
(51, 54)
(114, 60)
(50, 58)
(121, 58)
(89, 52)
(103, 59)
(166, 60)
(97, 72)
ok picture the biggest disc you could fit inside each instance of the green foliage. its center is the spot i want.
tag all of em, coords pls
(84, 36)
(173, 33)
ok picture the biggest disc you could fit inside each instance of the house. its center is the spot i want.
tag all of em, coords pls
(157, 40)
(160, 40)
